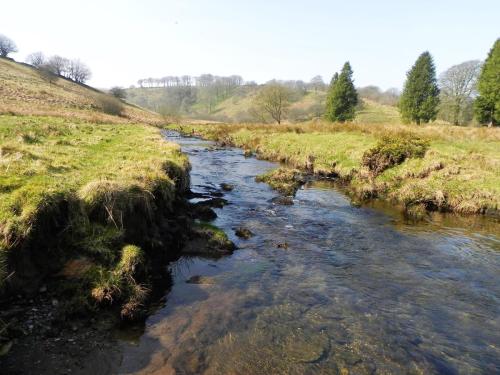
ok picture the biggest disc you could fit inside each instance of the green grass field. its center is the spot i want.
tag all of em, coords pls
(42, 158)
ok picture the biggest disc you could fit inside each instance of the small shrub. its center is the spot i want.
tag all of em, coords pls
(110, 105)
(118, 92)
(391, 151)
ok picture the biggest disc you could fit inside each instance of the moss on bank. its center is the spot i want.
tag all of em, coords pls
(438, 167)
(74, 190)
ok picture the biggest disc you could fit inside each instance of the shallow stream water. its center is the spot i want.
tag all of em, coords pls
(357, 291)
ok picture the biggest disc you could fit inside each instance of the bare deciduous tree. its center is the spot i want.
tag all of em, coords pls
(78, 71)
(317, 83)
(37, 59)
(47, 73)
(58, 65)
(458, 85)
(274, 99)
(7, 46)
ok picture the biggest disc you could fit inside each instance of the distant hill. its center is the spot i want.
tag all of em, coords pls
(25, 91)
(191, 102)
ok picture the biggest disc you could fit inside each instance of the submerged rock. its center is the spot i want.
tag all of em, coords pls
(204, 212)
(284, 201)
(282, 245)
(202, 280)
(226, 187)
(208, 240)
(244, 233)
(214, 202)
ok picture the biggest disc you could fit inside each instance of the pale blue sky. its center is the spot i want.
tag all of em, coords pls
(125, 40)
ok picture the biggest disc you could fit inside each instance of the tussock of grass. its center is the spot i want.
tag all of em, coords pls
(393, 151)
(440, 166)
(119, 284)
(285, 180)
(132, 257)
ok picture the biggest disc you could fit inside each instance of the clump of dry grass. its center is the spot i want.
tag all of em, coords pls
(113, 200)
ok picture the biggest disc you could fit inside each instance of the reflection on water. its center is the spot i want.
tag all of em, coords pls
(357, 291)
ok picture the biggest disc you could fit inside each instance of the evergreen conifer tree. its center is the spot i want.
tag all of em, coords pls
(342, 96)
(420, 98)
(487, 104)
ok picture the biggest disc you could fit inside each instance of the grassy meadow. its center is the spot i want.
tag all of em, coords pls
(458, 170)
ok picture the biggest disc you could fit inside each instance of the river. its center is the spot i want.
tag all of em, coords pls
(357, 290)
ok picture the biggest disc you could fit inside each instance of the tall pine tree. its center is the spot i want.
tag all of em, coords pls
(487, 104)
(342, 96)
(420, 98)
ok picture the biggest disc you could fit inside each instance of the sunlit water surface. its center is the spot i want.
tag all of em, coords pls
(358, 291)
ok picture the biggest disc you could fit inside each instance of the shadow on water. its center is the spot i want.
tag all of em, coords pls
(356, 290)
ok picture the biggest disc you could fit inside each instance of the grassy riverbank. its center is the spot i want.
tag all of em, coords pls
(77, 191)
(429, 167)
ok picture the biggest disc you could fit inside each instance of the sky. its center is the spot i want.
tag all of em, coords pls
(123, 41)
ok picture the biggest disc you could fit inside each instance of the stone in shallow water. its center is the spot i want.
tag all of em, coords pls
(243, 233)
(198, 279)
(226, 187)
(283, 201)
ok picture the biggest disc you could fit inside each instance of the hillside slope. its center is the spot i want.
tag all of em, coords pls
(237, 108)
(24, 91)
